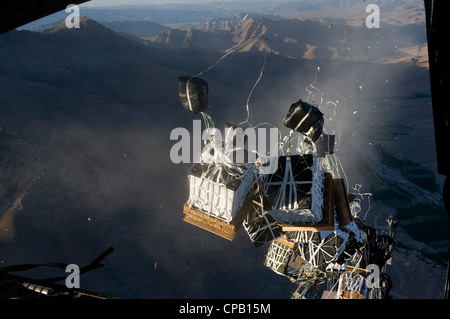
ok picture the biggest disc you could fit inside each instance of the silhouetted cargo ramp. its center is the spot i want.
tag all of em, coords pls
(14, 14)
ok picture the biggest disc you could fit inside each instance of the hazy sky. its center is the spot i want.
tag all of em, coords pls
(97, 3)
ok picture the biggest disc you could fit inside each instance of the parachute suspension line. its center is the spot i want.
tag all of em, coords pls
(335, 106)
(209, 123)
(253, 88)
(248, 100)
(206, 117)
(357, 188)
(311, 86)
(343, 171)
(257, 81)
(223, 57)
(228, 53)
(331, 162)
(334, 110)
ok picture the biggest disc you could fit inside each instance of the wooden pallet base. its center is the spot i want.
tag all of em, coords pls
(351, 295)
(359, 271)
(218, 226)
(283, 240)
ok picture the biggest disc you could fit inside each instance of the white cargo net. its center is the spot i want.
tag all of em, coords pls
(352, 284)
(288, 191)
(261, 220)
(277, 257)
(320, 253)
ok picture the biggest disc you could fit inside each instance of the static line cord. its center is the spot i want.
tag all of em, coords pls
(227, 54)
(209, 123)
(311, 85)
(223, 57)
(206, 117)
(253, 88)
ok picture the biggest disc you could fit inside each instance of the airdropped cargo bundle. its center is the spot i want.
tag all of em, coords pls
(300, 209)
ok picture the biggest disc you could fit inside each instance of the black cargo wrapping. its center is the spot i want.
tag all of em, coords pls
(193, 93)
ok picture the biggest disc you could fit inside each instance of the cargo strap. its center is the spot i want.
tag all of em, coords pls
(304, 118)
(189, 95)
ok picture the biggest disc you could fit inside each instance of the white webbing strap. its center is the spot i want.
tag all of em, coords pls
(304, 118)
(188, 94)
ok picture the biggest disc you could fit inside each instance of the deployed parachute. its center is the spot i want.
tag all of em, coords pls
(193, 93)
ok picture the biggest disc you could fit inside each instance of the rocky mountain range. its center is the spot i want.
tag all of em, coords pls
(296, 38)
(350, 12)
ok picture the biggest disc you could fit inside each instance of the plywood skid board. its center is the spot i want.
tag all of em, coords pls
(283, 240)
(359, 271)
(351, 295)
(218, 226)
(213, 226)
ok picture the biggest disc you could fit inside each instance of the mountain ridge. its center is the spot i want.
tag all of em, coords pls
(300, 38)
